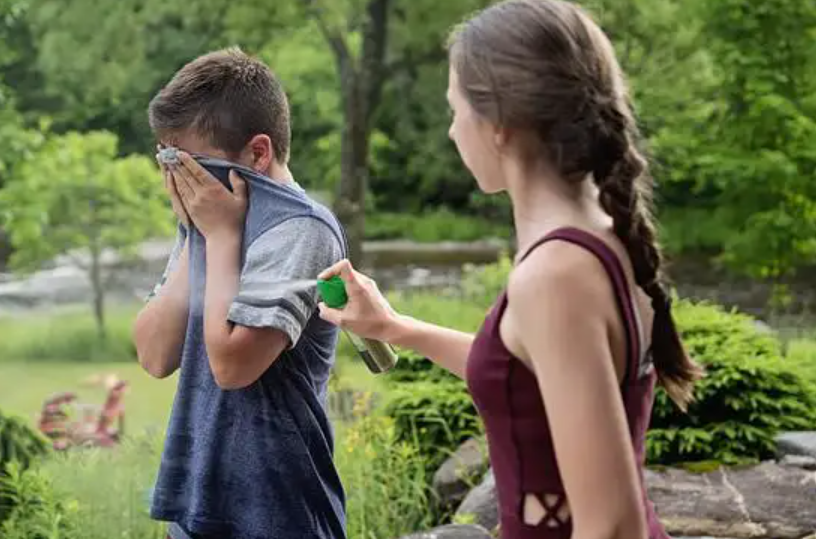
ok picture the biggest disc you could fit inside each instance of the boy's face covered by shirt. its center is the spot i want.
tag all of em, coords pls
(192, 144)
(257, 155)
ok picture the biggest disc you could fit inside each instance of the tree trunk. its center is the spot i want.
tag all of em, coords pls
(350, 201)
(98, 292)
(361, 88)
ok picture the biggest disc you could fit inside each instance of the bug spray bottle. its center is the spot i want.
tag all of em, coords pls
(378, 356)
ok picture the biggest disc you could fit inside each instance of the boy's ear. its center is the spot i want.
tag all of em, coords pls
(261, 153)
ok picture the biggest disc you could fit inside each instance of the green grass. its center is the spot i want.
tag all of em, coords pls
(111, 488)
(434, 226)
(24, 386)
(67, 335)
(801, 356)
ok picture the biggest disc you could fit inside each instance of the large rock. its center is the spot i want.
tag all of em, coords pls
(454, 479)
(797, 443)
(767, 501)
(764, 501)
(799, 461)
(481, 503)
(453, 531)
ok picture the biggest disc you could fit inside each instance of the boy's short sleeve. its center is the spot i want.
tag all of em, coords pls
(296, 250)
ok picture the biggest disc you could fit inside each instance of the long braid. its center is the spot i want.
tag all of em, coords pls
(626, 195)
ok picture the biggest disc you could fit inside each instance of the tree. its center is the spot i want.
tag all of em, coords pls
(130, 48)
(756, 156)
(76, 198)
(372, 43)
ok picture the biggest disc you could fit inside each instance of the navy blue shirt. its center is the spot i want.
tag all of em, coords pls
(257, 463)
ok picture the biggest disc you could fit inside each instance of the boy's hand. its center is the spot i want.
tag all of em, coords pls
(211, 207)
(175, 199)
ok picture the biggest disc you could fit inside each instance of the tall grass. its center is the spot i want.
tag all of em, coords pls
(387, 494)
(67, 335)
(87, 494)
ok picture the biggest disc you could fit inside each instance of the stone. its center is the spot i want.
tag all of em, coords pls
(453, 531)
(799, 461)
(763, 501)
(796, 443)
(481, 503)
(454, 479)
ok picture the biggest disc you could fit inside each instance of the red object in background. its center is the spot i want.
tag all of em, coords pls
(68, 423)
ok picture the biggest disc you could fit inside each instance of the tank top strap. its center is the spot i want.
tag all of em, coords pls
(620, 285)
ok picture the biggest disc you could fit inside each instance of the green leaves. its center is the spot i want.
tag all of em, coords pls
(75, 194)
(747, 396)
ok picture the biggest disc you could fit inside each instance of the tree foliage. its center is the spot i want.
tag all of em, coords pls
(74, 196)
(725, 93)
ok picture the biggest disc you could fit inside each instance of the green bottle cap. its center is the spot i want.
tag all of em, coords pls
(333, 292)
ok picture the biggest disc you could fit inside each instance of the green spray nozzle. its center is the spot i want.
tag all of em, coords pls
(333, 292)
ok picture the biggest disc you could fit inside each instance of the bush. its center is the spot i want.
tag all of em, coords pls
(19, 442)
(388, 493)
(39, 511)
(748, 395)
(413, 367)
(20, 445)
(67, 336)
(436, 226)
(436, 417)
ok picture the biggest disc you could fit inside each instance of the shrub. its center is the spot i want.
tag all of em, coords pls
(413, 367)
(385, 479)
(20, 445)
(39, 511)
(19, 442)
(434, 226)
(748, 395)
(436, 417)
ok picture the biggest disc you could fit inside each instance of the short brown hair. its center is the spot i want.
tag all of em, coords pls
(546, 67)
(227, 97)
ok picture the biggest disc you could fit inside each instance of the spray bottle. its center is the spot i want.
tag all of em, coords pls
(378, 356)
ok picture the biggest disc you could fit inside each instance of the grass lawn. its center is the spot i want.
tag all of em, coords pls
(25, 385)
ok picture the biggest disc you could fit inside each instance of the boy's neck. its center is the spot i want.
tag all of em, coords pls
(280, 173)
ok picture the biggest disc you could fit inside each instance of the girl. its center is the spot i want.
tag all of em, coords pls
(564, 367)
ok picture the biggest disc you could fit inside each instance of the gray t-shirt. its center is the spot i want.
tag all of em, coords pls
(257, 463)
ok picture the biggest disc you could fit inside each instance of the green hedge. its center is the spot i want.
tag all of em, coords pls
(434, 226)
(433, 416)
(413, 367)
(20, 445)
(749, 393)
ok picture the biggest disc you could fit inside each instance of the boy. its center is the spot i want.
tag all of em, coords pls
(249, 448)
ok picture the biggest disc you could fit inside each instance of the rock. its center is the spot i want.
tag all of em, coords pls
(481, 503)
(459, 473)
(763, 501)
(797, 443)
(799, 461)
(453, 531)
(766, 501)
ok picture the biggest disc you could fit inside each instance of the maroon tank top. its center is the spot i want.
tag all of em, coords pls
(508, 398)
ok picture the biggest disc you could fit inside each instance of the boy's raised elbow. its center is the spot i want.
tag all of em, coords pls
(229, 378)
(157, 369)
